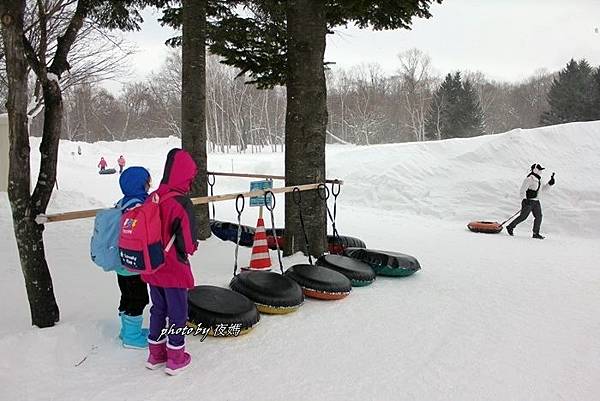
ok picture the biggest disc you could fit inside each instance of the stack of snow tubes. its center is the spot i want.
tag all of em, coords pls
(348, 264)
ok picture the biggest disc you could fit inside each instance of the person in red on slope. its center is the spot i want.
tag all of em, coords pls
(102, 165)
(121, 162)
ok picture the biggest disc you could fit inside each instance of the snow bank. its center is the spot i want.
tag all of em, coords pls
(456, 180)
(479, 178)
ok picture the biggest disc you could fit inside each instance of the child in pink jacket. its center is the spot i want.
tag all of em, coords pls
(121, 163)
(169, 285)
(102, 165)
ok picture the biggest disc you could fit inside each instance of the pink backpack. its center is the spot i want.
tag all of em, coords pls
(140, 241)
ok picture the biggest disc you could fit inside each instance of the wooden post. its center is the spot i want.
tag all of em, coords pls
(4, 146)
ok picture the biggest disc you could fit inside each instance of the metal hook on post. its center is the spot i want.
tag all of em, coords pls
(211, 184)
(323, 192)
(335, 184)
(297, 198)
(270, 207)
(239, 207)
(325, 196)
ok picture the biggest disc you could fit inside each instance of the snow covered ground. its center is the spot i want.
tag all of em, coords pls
(488, 317)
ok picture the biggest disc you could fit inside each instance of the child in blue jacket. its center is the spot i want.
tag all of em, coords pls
(134, 183)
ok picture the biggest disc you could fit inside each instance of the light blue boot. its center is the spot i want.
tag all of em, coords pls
(144, 331)
(133, 336)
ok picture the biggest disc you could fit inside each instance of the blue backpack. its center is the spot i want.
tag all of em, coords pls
(104, 246)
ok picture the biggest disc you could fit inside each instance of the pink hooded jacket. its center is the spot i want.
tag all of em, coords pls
(177, 217)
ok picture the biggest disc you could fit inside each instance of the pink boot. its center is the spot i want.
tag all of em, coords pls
(158, 355)
(177, 360)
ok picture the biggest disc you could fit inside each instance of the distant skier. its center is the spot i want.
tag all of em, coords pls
(530, 193)
(102, 165)
(79, 150)
(121, 162)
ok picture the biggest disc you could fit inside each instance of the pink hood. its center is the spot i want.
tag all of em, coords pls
(180, 171)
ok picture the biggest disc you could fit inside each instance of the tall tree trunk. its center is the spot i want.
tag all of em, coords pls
(306, 122)
(193, 101)
(38, 282)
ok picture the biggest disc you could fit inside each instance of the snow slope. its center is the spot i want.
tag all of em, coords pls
(488, 318)
(458, 179)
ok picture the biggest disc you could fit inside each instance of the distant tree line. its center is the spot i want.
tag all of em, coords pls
(366, 106)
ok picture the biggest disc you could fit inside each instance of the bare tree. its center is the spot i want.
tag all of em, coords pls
(365, 105)
(97, 55)
(165, 87)
(415, 84)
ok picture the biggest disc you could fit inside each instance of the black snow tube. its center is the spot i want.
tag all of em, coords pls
(107, 171)
(337, 245)
(320, 282)
(228, 232)
(386, 263)
(212, 306)
(271, 292)
(359, 273)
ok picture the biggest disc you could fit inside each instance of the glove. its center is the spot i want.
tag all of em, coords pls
(552, 181)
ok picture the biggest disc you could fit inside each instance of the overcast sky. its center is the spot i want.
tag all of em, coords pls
(505, 39)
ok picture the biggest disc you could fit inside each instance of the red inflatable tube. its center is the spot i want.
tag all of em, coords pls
(488, 227)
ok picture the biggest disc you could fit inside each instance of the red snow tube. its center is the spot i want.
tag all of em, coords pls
(228, 232)
(279, 232)
(489, 227)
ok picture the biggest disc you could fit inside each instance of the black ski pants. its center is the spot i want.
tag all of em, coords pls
(529, 206)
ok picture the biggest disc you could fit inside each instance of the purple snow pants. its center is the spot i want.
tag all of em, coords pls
(171, 303)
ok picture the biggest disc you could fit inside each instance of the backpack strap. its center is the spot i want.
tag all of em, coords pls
(128, 203)
(170, 244)
(159, 199)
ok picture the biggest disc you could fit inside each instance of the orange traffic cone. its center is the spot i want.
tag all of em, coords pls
(260, 259)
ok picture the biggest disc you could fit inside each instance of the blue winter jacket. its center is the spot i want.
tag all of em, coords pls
(133, 185)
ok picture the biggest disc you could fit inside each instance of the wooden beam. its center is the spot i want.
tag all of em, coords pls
(258, 192)
(264, 176)
(82, 214)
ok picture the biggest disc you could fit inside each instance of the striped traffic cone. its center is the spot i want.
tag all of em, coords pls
(260, 259)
